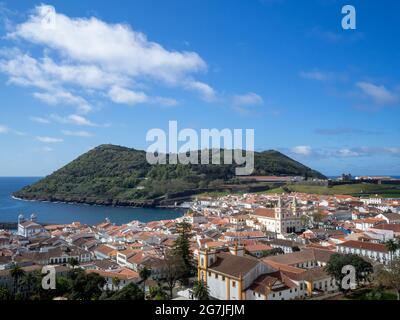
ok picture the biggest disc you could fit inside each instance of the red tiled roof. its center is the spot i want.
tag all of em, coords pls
(364, 245)
(264, 212)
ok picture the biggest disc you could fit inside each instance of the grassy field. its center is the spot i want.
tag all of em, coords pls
(358, 190)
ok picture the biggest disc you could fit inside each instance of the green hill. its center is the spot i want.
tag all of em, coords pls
(116, 175)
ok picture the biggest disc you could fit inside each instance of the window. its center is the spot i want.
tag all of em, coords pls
(223, 278)
(234, 284)
(216, 276)
(209, 274)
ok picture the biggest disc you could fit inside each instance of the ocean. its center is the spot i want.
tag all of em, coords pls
(61, 213)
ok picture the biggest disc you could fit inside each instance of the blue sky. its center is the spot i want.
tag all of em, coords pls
(107, 72)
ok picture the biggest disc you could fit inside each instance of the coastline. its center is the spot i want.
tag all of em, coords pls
(172, 207)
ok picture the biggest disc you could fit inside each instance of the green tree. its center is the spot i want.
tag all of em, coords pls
(63, 286)
(389, 277)
(85, 286)
(115, 283)
(272, 252)
(158, 293)
(392, 247)
(182, 249)
(336, 263)
(305, 220)
(16, 273)
(174, 270)
(31, 281)
(129, 292)
(316, 217)
(144, 274)
(73, 262)
(201, 290)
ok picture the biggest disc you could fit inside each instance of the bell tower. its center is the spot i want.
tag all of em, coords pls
(205, 259)
(294, 206)
(278, 209)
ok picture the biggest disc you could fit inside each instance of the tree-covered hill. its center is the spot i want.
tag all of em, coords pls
(116, 175)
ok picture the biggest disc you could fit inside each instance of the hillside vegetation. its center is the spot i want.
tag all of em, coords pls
(116, 175)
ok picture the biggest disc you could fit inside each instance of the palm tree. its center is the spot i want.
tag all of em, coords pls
(144, 273)
(30, 282)
(115, 283)
(201, 291)
(391, 246)
(158, 293)
(16, 273)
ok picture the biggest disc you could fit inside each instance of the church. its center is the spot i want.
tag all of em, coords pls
(281, 219)
(29, 228)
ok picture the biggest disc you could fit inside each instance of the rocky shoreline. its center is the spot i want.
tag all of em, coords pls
(88, 201)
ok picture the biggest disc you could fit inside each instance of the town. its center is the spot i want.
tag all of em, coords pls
(256, 246)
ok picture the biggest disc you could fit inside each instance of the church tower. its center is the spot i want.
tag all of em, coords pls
(21, 219)
(206, 258)
(278, 209)
(294, 206)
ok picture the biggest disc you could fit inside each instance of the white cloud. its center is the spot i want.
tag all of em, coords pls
(74, 119)
(250, 98)
(125, 96)
(169, 102)
(49, 139)
(130, 97)
(111, 59)
(40, 120)
(64, 97)
(115, 46)
(302, 150)
(83, 134)
(4, 129)
(207, 93)
(347, 153)
(380, 94)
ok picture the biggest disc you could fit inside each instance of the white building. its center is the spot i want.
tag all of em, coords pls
(371, 201)
(229, 275)
(29, 228)
(279, 220)
(374, 251)
(390, 217)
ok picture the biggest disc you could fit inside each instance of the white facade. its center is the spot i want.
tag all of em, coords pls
(285, 220)
(376, 255)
